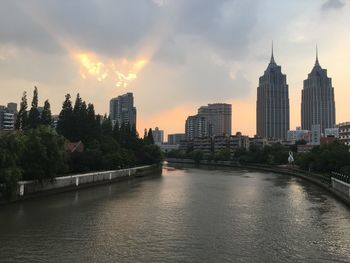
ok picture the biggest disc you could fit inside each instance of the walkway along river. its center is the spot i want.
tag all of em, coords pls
(186, 215)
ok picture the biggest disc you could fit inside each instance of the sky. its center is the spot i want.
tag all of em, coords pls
(174, 55)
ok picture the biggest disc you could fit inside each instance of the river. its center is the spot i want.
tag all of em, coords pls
(185, 215)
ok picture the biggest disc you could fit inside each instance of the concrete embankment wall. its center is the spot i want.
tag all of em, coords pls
(65, 183)
(339, 189)
(341, 186)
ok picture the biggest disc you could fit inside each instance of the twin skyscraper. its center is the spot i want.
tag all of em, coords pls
(272, 107)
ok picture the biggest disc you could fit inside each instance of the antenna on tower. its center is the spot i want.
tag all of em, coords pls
(316, 62)
(272, 57)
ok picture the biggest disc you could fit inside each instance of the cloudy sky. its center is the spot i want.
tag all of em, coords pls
(174, 55)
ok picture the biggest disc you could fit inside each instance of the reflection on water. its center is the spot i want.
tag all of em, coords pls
(187, 215)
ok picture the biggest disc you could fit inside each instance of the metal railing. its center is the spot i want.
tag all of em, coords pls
(342, 177)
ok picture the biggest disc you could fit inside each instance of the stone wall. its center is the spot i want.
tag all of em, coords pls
(341, 186)
(78, 180)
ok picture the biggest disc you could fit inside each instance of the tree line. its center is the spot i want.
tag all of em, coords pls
(36, 150)
(333, 157)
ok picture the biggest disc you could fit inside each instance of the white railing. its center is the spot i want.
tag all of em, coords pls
(26, 187)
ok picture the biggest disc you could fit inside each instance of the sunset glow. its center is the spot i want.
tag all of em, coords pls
(121, 72)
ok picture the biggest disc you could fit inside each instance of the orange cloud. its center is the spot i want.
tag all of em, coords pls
(121, 72)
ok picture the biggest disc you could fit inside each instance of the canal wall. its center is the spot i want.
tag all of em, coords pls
(28, 189)
(338, 189)
(341, 186)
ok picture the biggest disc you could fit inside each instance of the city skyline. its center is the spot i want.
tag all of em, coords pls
(204, 57)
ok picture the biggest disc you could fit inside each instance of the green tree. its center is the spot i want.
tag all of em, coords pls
(150, 154)
(11, 147)
(150, 138)
(43, 155)
(22, 117)
(46, 117)
(65, 118)
(34, 114)
(222, 155)
(107, 129)
(197, 156)
(92, 125)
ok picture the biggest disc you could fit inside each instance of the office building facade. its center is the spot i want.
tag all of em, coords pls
(344, 132)
(219, 118)
(318, 106)
(158, 136)
(176, 138)
(272, 106)
(196, 127)
(8, 116)
(122, 110)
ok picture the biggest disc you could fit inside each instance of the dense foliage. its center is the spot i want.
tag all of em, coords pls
(37, 150)
(326, 158)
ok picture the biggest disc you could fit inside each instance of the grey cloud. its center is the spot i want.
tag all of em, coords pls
(198, 80)
(185, 34)
(19, 29)
(333, 4)
(171, 51)
(118, 28)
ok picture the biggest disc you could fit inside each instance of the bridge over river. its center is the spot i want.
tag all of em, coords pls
(186, 215)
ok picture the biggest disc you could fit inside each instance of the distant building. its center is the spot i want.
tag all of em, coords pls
(344, 132)
(272, 106)
(122, 110)
(258, 141)
(176, 138)
(316, 134)
(72, 147)
(196, 126)
(158, 136)
(318, 106)
(219, 116)
(203, 144)
(211, 145)
(298, 135)
(331, 132)
(231, 143)
(239, 141)
(169, 147)
(305, 148)
(8, 116)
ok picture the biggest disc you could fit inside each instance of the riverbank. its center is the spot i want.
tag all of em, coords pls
(32, 189)
(316, 179)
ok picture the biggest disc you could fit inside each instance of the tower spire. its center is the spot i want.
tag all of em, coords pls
(272, 58)
(316, 62)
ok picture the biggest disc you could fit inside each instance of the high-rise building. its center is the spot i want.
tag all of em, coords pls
(344, 132)
(272, 106)
(317, 105)
(122, 110)
(8, 116)
(174, 139)
(196, 127)
(219, 117)
(158, 136)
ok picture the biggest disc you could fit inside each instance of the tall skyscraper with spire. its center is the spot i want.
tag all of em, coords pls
(272, 106)
(317, 99)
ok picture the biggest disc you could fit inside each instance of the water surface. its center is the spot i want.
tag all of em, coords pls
(186, 215)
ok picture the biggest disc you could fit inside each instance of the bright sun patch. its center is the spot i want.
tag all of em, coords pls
(121, 72)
